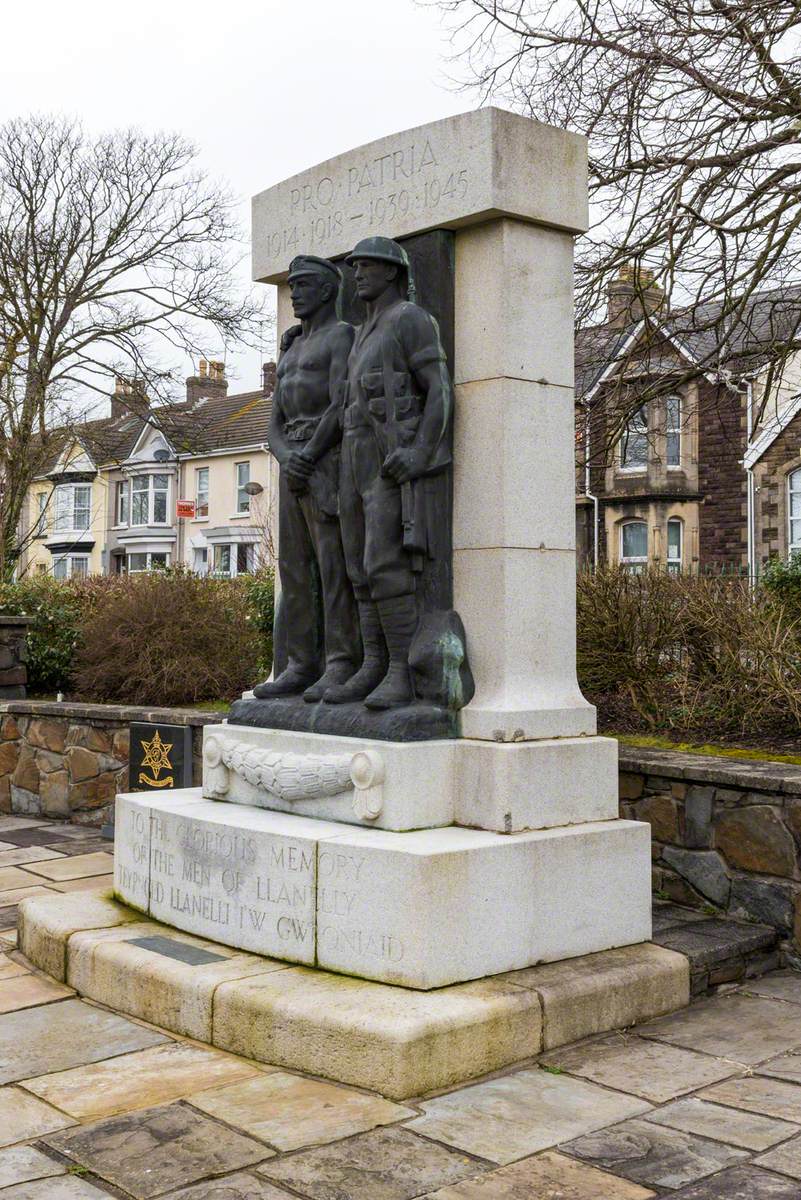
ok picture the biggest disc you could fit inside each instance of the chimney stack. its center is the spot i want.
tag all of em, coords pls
(268, 378)
(209, 383)
(128, 398)
(632, 295)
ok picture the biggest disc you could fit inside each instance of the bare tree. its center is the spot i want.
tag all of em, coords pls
(116, 260)
(693, 113)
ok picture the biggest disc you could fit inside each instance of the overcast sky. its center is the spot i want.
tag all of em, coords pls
(265, 90)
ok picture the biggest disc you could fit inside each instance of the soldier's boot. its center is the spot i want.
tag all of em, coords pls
(291, 682)
(374, 664)
(399, 622)
(337, 673)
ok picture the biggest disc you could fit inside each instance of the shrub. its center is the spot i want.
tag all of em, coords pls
(165, 638)
(783, 581)
(260, 593)
(710, 655)
(56, 608)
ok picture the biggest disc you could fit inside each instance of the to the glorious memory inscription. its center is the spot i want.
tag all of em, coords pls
(443, 175)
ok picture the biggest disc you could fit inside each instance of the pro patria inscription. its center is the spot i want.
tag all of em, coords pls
(440, 176)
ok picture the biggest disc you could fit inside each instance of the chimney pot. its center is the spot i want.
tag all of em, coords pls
(268, 378)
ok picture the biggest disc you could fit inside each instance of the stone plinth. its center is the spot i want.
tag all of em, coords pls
(421, 909)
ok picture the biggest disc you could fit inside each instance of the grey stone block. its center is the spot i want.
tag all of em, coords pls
(698, 805)
(771, 903)
(704, 869)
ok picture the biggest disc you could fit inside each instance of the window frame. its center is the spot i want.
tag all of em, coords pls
(793, 546)
(122, 503)
(640, 417)
(673, 430)
(69, 570)
(149, 492)
(634, 563)
(67, 506)
(148, 556)
(40, 522)
(201, 509)
(242, 497)
(674, 565)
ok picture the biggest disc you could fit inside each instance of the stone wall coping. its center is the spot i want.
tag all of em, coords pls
(72, 711)
(748, 774)
(17, 620)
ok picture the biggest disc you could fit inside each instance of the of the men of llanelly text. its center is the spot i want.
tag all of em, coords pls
(304, 437)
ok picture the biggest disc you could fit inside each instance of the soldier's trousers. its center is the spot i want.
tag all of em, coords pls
(371, 520)
(310, 541)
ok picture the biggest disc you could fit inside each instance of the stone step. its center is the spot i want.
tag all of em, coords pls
(719, 950)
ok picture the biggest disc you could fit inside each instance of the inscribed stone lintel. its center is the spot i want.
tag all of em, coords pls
(449, 173)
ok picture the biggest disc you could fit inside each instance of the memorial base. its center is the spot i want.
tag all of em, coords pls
(419, 909)
(398, 1042)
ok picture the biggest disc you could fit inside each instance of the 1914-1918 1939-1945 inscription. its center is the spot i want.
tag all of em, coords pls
(256, 890)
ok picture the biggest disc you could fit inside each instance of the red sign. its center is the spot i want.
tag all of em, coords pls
(185, 508)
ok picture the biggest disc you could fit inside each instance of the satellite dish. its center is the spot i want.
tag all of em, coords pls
(253, 488)
(161, 455)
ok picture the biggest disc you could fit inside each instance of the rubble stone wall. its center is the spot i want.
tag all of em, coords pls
(68, 761)
(726, 833)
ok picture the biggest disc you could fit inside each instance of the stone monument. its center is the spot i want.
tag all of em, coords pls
(405, 865)
(377, 826)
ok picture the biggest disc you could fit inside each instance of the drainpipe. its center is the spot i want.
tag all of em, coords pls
(587, 492)
(750, 491)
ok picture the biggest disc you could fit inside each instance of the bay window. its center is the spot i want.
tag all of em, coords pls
(141, 560)
(73, 506)
(794, 511)
(673, 430)
(122, 501)
(674, 545)
(149, 499)
(634, 546)
(71, 566)
(634, 442)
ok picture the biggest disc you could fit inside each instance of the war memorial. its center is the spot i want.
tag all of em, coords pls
(412, 827)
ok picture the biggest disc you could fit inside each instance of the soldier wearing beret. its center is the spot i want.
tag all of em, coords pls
(304, 437)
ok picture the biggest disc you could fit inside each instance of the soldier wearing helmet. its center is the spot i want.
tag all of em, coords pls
(396, 415)
(304, 434)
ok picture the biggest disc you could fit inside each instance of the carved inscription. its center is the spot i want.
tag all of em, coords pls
(415, 180)
(243, 888)
(132, 853)
(345, 913)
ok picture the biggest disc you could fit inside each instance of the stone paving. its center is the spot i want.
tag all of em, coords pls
(701, 1105)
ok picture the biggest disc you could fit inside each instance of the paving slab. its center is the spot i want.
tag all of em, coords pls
(19, 1164)
(548, 1176)
(39, 836)
(240, 1186)
(15, 877)
(13, 857)
(749, 1131)
(97, 883)
(785, 1159)
(785, 1066)
(290, 1112)
(23, 1117)
(144, 1079)
(53, 1037)
(26, 991)
(516, 1115)
(66, 1187)
(779, 985)
(654, 1070)
(740, 1183)
(86, 845)
(158, 1150)
(74, 868)
(757, 1093)
(9, 969)
(386, 1164)
(652, 1155)
(34, 887)
(743, 1029)
(12, 824)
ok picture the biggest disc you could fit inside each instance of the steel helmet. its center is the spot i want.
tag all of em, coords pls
(382, 248)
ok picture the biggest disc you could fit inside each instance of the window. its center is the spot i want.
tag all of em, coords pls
(634, 546)
(634, 443)
(202, 492)
(201, 563)
(222, 560)
(41, 514)
(674, 547)
(41, 568)
(673, 430)
(794, 510)
(71, 566)
(242, 480)
(244, 559)
(73, 506)
(149, 499)
(122, 503)
(146, 561)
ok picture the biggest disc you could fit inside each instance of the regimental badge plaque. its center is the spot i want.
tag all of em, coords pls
(161, 757)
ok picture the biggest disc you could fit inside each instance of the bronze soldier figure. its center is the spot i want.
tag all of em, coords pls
(398, 405)
(304, 437)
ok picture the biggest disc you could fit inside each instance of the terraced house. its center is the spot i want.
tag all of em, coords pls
(705, 476)
(154, 486)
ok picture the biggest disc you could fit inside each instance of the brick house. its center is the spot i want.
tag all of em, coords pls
(108, 504)
(700, 478)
